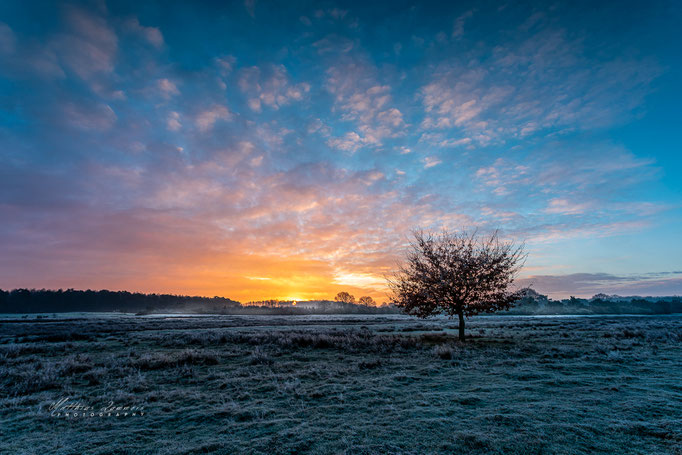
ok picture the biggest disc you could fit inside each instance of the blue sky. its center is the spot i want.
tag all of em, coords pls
(285, 149)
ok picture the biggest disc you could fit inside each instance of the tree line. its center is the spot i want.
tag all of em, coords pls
(71, 300)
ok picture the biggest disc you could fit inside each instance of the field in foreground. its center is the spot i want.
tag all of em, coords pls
(343, 384)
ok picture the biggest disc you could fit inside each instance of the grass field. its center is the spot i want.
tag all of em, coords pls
(343, 384)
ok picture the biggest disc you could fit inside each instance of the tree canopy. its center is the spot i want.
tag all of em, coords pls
(458, 274)
(344, 297)
(366, 300)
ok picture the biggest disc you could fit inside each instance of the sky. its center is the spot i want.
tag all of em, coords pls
(259, 150)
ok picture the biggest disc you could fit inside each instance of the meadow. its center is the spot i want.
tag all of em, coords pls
(342, 384)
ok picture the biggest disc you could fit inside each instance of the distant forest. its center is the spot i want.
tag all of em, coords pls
(537, 304)
(70, 300)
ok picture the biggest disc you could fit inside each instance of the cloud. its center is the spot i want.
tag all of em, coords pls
(359, 280)
(455, 142)
(565, 207)
(540, 83)
(225, 64)
(90, 45)
(7, 39)
(99, 117)
(27, 58)
(318, 126)
(334, 44)
(152, 34)
(364, 102)
(350, 142)
(458, 27)
(206, 119)
(431, 161)
(583, 172)
(548, 233)
(503, 174)
(272, 89)
(250, 6)
(43, 61)
(167, 88)
(173, 121)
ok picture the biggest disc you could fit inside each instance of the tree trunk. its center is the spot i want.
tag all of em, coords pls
(461, 325)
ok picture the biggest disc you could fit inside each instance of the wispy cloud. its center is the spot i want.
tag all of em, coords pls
(152, 34)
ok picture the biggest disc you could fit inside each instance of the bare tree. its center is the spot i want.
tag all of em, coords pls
(457, 274)
(344, 297)
(366, 300)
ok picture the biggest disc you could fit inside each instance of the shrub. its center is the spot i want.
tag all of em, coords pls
(445, 351)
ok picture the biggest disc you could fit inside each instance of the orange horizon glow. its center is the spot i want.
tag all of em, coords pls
(242, 279)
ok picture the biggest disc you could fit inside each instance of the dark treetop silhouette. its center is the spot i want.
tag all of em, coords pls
(457, 274)
(344, 297)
